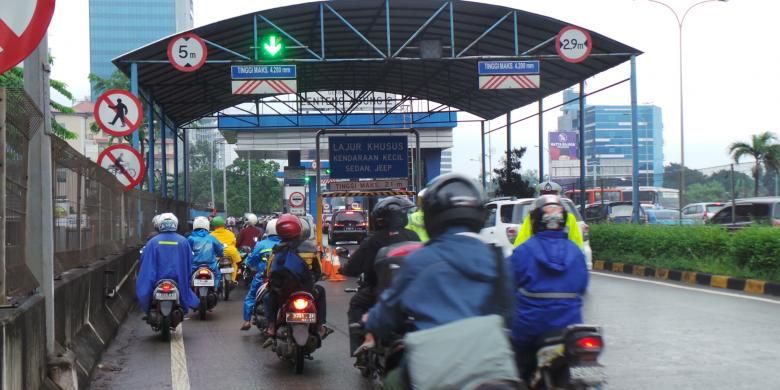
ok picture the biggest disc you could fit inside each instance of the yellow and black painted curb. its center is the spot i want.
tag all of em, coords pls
(752, 286)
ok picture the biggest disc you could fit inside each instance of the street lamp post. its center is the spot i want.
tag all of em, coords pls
(680, 21)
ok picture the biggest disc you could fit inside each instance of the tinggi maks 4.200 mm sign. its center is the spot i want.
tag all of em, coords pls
(368, 157)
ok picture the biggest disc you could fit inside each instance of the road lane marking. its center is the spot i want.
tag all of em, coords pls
(690, 288)
(180, 379)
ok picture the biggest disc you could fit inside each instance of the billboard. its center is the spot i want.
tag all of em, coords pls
(563, 145)
(368, 157)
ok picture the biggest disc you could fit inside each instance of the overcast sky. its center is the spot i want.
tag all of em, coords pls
(730, 70)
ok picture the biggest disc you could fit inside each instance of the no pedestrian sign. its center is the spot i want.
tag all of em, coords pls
(118, 112)
(187, 52)
(296, 199)
(22, 26)
(125, 163)
(573, 44)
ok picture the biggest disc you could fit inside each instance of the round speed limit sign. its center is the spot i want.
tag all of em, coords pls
(187, 52)
(573, 44)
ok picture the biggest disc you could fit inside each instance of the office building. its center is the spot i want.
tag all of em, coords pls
(117, 27)
(608, 152)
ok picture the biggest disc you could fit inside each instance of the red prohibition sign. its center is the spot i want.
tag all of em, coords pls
(133, 106)
(573, 44)
(17, 38)
(187, 52)
(131, 173)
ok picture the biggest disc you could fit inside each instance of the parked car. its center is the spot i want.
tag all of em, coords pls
(749, 211)
(505, 216)
(347, 225)
(702, 212)
(667, 217)
(615, 212)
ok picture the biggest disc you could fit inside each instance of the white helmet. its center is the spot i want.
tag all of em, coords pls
(201, 223)
(230, 221)
(270, 229)
(156, 222)
(305, 228)
(168, 222)
(251, 219)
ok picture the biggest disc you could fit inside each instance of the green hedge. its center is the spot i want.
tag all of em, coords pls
(748, 253)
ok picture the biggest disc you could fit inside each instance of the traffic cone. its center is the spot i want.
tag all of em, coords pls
(327, 265)
(336, 264)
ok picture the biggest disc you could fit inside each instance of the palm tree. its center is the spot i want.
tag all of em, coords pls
(762, 148)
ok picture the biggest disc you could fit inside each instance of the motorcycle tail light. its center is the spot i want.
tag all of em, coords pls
(166, 287)
(204, 274)
(590, 344)
(300, 304)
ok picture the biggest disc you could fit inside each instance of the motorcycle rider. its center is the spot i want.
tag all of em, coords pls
(526, 230)
(230, 224)
(156, 225)
(550, 277)
(417, 219)
(250, 234)
(293, 266)
(257, 260)
(228, 239)
(453, 277)
(206, 249)
(389, 217)
(167, 255)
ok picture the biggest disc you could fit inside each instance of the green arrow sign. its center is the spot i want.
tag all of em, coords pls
(272, 47)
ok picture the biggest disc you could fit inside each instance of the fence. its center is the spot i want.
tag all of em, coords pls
(93, 214)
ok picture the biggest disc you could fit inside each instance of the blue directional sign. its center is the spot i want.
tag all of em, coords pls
(368, 157)
(487, 68)
(262, 72)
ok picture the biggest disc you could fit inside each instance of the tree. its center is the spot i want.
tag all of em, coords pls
(672, 176)
(706, 192)
(742, 182)
(14, 78)
(509, 178)
(763, 149)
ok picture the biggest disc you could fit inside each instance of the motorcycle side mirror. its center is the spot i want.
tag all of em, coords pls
(342, 252)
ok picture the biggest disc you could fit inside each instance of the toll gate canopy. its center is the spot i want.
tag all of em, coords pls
(414, 49)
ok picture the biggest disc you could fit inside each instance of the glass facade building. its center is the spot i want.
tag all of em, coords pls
(608, 150)
(117, 27)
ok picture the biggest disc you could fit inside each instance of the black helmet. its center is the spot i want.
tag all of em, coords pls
(390, 212)
(453, 199)
(538, 222)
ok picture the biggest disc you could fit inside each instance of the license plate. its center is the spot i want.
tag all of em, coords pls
(588, 374)
(160, 296)
(203, 283)
(350, 228)
(226, 270)
(306, 318)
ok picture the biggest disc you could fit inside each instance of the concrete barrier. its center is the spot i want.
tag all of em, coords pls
(90, 305)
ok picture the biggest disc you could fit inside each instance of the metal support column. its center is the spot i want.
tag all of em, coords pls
(249, 184)
(582, 147)
(185, 145)
(39, 245)
(3, 217)
(541, 141)
(164, 154)
(176, 163)
(509, 146)
(482, 159)
(224, 176)
(150, 144)
(134, 90)
(634, 145)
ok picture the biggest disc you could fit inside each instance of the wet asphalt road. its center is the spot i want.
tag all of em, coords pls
(657, 336)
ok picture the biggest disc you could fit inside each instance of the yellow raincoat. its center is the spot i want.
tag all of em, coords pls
(417, 224)
(526, 230)
(228, 239)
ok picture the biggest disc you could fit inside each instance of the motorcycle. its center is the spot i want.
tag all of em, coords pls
(297, 334)
(569, 360)
(245, 274)
(166, 312)
(203, 285)
(259, 318)
(385, 355)
(226, 269)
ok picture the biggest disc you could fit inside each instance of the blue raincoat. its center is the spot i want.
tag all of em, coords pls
(547, 263)
(451, 278)
(257, 260)
(168, 255)
(206, 250)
